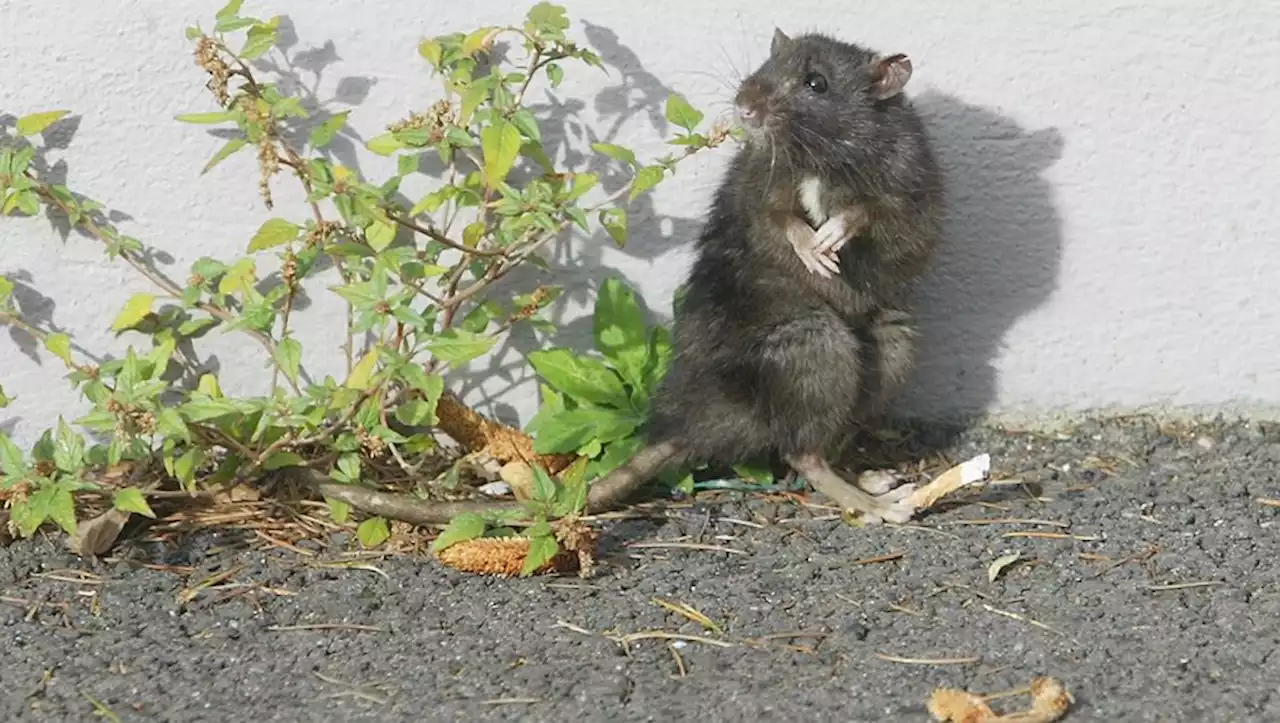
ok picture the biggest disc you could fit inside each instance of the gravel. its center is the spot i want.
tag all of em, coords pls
(1165, 605)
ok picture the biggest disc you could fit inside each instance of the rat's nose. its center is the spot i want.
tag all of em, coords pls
(750, 104)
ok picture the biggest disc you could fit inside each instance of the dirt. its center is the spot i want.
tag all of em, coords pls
(1162, 603)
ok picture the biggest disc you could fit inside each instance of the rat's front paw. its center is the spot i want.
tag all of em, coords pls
(804, 242)
(831, 236)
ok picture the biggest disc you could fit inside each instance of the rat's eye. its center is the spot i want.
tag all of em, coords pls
(816, 82)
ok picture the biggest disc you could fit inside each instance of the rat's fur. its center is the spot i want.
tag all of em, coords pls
(770, 357)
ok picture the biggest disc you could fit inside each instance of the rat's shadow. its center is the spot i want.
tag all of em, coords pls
(999, 260)
(1000, 257)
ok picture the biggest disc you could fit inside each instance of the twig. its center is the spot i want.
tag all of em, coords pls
(325, 626)
(927, 661)
(686, 546)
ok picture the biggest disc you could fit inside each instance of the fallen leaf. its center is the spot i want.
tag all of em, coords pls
(95, 536)
(995, 568)
(1049, 702)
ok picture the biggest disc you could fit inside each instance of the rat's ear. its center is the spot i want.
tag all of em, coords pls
(890, 75)
(780, 41)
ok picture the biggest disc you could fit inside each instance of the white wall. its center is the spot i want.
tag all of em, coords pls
(1112, 168)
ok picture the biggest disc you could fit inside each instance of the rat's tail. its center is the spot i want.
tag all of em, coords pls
(612, 490)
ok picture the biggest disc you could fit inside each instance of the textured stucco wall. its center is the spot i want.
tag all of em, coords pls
(1112, 165)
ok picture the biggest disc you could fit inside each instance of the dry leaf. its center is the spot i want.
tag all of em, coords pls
(994, 570)
(239, 493)
(1049, 702)
(961, 475)
(95, 536)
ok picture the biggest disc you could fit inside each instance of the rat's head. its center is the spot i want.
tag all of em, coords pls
(814, 91)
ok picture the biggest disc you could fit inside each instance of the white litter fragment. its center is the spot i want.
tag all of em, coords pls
(974, 470)
(496, 489)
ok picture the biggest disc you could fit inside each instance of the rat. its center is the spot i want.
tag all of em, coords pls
(797, 322)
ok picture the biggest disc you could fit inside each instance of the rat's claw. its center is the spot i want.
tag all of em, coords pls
(831, 236)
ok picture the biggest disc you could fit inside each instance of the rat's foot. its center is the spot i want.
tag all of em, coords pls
(803, 241)
(892, 506)
(878, 481)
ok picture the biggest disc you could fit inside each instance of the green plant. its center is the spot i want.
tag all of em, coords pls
(594, 405)
(418, 279)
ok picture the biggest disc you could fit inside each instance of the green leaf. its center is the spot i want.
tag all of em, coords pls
(466, 526)
(212, 118)
(373, 532)
(261, 38)
(170, 424)
(582, 183)
(131, 499)
(5, 400)
(681, 113)
(500, 143)
(186, 465)
(362, 372)
(457, 347)
(289, 356)
(207, 409)
(384, 145)
(614, 221)
(62, 509)
(579, 377)
(324, 133)
(280, 460)
(570, 429)
(274, 232)
(619, 328)
(339, 511)
(380, 234)
(541, 551)
(527, 124)
(60, 346)
(646, 178)
(431, 50)
(555, 74)
(544, 488)
(230, 10)
(571, 498)
(416, 412)
(12, 461)
(68, 449)
(29, 125)
(618, 153)
(26, 201)
(225, 152)
(471, 99)
(134, 311)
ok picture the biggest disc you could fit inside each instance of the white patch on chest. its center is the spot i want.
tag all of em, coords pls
(811, 200)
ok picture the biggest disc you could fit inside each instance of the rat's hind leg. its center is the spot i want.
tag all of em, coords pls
(891, 506)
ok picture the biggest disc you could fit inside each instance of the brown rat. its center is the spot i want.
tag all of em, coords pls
(797, 319)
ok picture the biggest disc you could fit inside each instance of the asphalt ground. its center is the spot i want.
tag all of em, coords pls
(1149, 585)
